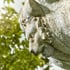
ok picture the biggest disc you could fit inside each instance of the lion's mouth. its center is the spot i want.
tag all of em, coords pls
(43, 49)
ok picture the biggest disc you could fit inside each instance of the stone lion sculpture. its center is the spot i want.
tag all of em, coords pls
(47, 27)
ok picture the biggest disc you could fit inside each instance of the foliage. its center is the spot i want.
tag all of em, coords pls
(9, 1)
(13, 54)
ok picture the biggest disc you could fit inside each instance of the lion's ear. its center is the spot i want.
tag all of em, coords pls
(38, 10)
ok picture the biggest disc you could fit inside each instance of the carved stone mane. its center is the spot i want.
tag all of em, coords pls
(50, 35)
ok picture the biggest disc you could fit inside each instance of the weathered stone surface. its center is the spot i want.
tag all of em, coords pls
(50, 34)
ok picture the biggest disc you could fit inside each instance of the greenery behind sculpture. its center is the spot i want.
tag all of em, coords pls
(14, 54)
